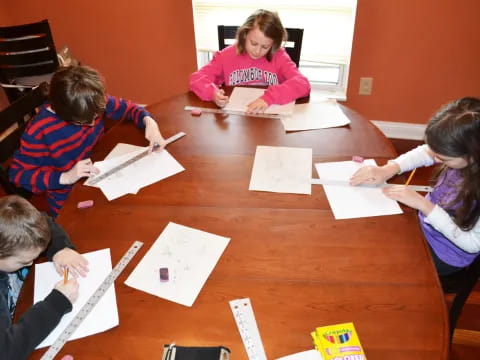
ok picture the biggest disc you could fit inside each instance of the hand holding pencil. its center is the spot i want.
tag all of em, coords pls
(409, 197)
(219, 96)
(68, 288)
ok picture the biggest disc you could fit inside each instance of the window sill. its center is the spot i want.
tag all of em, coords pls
(318, 94)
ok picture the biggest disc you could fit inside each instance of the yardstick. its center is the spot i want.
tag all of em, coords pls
(419, 188)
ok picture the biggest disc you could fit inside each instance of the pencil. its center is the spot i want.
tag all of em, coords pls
(410, 177)
(65, 275)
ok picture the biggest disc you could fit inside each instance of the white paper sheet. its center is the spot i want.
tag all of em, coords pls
(304, 355)
(319, 115)
(121, 149)
(148, 170)
(282, 169)
(104, 315)
(242, 96)
(353, 201)
(190, 256)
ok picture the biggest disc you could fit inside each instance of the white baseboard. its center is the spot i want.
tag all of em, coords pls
(397, 130)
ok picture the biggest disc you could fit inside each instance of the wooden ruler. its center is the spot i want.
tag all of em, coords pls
(419, 188)
(96, 179)
(247, 326)
(91, 302)
(232, 112)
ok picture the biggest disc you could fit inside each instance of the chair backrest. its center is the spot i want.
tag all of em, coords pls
(463, 286)
(27, 50)
(12, 125)
(293, 46)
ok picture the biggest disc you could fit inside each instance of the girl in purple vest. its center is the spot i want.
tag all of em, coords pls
(449, 215)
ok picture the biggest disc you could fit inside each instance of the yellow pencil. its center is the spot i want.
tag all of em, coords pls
(65, 275)
(410, 177)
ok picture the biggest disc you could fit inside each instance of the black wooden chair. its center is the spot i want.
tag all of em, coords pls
(461, 285)
(293, 46)
(13, 121)
(27, 57)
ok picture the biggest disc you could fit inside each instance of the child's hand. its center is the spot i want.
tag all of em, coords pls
(70, 289)
(153, 135)
(80, 169)
(69, 258)
(257, 106)
(409, 197)
(220, 98)
(374, 175)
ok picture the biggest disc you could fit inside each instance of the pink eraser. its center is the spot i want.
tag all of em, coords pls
(358, 159)
(196, 112)
(85, 204)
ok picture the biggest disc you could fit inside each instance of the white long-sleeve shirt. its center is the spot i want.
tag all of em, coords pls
(438, 218)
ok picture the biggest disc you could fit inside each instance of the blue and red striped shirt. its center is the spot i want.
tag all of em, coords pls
(50, 146)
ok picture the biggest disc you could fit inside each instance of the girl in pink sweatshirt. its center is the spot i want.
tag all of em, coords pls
(256, 58)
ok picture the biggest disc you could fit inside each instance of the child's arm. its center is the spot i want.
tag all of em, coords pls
(152, 134)
(59, 238)
(32, 168)
(420, 156)
(204, 82)
(19, 340)
(119, 109)
(62, 252)
(292, 84)
(468, 241)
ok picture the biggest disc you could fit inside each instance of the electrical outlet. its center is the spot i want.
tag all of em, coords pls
(366, 84)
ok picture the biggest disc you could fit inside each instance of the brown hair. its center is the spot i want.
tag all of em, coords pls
(77, 94)
(22, 227)
(454, 131)
(269, 24)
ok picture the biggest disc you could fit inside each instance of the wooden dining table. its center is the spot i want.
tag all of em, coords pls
(300, 268)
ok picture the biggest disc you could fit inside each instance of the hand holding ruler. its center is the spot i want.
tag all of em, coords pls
(91, 302)
(232, 112)
(96, 179)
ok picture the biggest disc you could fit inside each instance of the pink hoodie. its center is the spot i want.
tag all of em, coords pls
(285, 82)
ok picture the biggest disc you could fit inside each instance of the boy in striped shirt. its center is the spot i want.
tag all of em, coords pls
(55, 148)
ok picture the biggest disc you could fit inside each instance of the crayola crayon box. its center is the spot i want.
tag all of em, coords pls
(338, 342)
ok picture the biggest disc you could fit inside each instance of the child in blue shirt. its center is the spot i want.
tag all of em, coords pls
(25, 233)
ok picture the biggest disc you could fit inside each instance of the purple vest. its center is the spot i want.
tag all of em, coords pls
(444, 191)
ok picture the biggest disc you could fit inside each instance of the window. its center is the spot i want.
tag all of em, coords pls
(327, 37)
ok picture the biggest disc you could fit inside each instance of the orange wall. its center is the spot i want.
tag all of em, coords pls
(420, 53)
(145, 49)
(4, 16)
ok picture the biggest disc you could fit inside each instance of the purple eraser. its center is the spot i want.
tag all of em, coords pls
(358, 159)
(163, 274)
(196, 112)
(85, 204)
